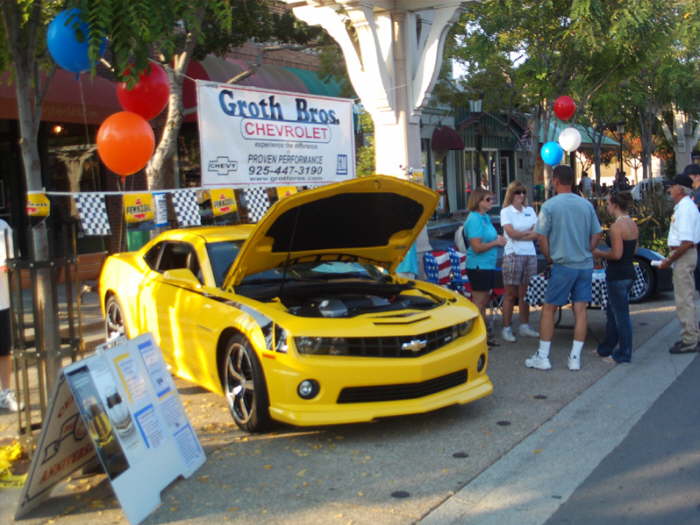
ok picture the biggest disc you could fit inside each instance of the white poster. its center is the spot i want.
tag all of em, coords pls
(125, 400)
(255, 137)
(160, 202)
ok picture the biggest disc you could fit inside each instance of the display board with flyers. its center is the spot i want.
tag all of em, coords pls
(120, 407)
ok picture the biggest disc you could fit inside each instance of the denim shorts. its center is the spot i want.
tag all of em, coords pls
(568, 285)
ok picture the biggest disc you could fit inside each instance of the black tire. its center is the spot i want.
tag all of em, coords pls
(244, 386)
(115, 324)
(649, 281)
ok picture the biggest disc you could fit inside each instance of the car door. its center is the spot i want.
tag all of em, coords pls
(164, 303)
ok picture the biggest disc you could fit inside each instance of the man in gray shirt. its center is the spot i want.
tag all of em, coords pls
(569, 230)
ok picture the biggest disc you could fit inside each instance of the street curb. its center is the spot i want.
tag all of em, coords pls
(529, 483)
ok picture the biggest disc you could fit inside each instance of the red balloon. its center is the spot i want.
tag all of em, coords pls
(564, 107)
(150, 94)
(125, 142)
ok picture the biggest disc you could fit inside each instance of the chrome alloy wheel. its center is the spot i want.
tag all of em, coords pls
(240, 383)
(114, 319)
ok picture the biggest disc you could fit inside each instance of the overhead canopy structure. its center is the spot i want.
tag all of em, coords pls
(393, 50)
(92, 99)
(588, 135)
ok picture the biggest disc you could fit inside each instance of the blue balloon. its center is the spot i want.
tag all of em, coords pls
(551, 153)
(68, 47)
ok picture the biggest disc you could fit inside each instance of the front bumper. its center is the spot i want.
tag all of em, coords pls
(421, 378)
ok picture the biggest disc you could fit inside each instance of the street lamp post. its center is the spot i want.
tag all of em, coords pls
(475, 107)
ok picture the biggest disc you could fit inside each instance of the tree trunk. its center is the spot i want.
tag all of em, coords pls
(597, 147)
(684, 136)
(534, 125)
(646, 126)
(22, 36)
(161, 166)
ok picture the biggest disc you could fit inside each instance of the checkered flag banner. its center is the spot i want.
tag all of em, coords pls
(93, 213)
(257, 202)
(186, 208)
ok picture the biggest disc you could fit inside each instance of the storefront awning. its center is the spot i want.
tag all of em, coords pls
(92, 99)
(446, 138)
(266, 76)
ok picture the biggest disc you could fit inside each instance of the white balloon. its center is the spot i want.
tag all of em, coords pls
(569, 139)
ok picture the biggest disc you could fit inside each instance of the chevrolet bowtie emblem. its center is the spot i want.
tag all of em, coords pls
(414, 345)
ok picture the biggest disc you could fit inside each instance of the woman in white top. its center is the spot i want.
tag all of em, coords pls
(519, 257)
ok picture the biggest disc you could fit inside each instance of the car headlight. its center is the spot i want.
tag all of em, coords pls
(462, 329)
(321, 345)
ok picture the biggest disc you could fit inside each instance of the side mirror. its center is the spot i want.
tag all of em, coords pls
(182, 277)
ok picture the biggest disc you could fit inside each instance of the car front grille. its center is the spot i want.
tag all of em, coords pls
(394, 346)
(368, 394)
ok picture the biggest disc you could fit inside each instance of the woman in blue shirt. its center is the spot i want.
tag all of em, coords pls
(482, 249)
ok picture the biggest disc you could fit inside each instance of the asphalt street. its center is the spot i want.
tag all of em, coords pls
(651, 478)
(542, 436)
(532, 481)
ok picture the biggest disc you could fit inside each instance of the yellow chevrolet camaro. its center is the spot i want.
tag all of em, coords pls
(300, 317)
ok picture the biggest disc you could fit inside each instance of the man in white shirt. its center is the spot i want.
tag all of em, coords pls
(683, 235)
(7, 396)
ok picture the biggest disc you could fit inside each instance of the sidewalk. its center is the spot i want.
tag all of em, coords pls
(391, 471)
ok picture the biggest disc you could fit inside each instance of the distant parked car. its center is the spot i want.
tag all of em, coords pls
(644, 187)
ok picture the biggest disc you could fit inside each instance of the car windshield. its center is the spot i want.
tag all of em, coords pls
(319, 270)
(221, 256)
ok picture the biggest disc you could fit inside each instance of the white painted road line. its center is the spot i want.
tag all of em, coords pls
(529, 483)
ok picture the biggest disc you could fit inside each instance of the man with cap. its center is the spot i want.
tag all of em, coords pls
(683, 235)
(693, 171)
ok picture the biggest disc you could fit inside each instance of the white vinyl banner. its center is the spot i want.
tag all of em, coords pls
(255, 137)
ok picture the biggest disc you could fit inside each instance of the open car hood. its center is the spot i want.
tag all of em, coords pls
(373, 218)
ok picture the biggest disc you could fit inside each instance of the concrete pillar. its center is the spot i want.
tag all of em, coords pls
(393, 58)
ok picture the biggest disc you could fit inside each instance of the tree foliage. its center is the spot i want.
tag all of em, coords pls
(523, 54)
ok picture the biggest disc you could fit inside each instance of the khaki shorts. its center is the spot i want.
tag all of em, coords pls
(517, 269)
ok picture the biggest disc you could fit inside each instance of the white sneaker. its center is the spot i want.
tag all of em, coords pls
(507, 334)
(526, 331)
(538, 362)
(574, 363)
(8, 400)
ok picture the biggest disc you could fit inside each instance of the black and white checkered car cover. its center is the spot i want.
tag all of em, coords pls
(93, 213)
(639, 284)
(186, 208)
(257, 202)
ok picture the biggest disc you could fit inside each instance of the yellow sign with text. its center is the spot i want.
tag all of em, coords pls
(38, 205)
(223, 201)
(285, 191)
(138, 207)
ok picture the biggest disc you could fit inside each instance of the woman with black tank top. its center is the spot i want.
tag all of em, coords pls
(619, 275)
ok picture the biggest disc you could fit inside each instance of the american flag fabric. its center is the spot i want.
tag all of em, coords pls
(458, 263)
(437, 267)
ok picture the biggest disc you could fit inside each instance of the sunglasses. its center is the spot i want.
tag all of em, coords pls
(519, 192)
(488, 199)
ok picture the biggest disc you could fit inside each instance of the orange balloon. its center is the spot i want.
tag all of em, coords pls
(125, 142)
